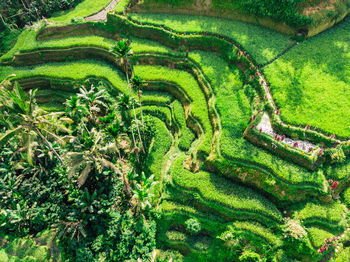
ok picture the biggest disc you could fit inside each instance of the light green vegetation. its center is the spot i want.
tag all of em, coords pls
(190, 86)
(310, 83)
(160, 111)
(152, 97)
(234, 110)
(186, 135)
(84, 9)
(259, 230)
(174, 207)
(346, 196)
(27, 42)
(161, 145)
(332, 213)
(215, 188)
(263, 44)
(74, 70)
(120, 7)
(317, 236)
(344, 256)
(26, 249)
(338, 172)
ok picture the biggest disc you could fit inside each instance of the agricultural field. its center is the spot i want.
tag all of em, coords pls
(128, 135)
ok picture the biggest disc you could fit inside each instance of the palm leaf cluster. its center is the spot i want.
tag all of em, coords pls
(25, 121)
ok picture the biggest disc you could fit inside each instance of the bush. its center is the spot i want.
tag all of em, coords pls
(193, 226)
(249, 256)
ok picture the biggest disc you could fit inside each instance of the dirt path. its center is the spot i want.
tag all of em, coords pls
(102, 15)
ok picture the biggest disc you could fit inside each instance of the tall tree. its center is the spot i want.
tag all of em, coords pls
(123, 51)
(138, 84)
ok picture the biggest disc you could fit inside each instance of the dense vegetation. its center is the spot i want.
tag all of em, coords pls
(290, 12)
(143, 138)
(284, 11)
(20, 13)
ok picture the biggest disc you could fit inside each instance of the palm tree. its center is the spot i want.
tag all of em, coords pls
(24, 120)
(124, 102)
(123, 51)
(88, 103)
(93, 155)
(138, 84)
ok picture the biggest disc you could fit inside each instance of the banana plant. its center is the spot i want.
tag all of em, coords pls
(143, 192)
(24, 120)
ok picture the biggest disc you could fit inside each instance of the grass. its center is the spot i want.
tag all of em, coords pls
(218, 189)
(171, 206)
(84, 9)
(186, 135)
(346, 196)
(332, 213)
(151, 97)
(27, 42)
(120, 7)
(75, 70)
(190, 85)
(311, 85)
(263, 44)
(260, 231)
(159, 111)
(317, 236)
(235, 111)
(163, 143)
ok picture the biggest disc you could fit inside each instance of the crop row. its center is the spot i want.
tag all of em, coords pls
(217, 189)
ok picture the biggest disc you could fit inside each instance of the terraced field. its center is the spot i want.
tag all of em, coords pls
(207, 93)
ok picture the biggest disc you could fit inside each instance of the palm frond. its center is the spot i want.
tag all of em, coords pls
(9, 134)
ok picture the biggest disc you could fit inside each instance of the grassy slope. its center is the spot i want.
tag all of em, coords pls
(120, 7)
(186, 135)
(160, 147)
(235, 111)
(27, 41)
(263, 44)
(218, 189)
(189, 84)
(74, 70)
(84, 9)
(311, 82)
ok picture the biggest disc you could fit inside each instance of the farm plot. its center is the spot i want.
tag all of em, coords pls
(311, 85)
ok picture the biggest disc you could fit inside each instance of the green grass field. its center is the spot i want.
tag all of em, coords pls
(263, 44)
(310, 85)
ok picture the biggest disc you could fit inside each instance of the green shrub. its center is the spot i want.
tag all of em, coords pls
(249, 256)
(346, 196)
(193, 226)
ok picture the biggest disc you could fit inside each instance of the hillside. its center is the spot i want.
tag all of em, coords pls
(129, 134)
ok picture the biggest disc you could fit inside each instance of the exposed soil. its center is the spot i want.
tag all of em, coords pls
(323, 5)
(102, 15)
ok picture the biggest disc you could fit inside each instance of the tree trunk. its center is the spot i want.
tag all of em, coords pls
(49, 145)
(132, 131)
(142, 122)
(133, 106)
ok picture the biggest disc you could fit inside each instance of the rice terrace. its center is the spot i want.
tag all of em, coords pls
(175, 130)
